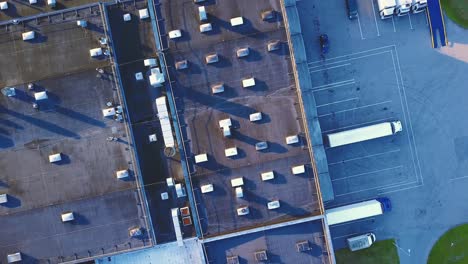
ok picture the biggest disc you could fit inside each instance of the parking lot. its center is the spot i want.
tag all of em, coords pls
(380, 70)
(200, 111)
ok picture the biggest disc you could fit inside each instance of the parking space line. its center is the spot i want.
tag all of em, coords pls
(361, 124)
(404, 189)
(364, 157)
(332, 84)
(458, 178)
(360, 29)
(355, 58)
(337, 102)
(393, 22)
(367, 173)
(375, 18)
(319, 70)
(353, 53)
(411, 24)
(355, 108)
(364, 190)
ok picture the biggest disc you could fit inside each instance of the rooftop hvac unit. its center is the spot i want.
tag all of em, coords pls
(150, 62)
(9, 91)
(185, 211)
(180, 190)
(143, 13)
(232, 260)
(3, 198)
(255, 117)
(186, 221)
(4, 5)
(198, 1)
(95, 52)
(237, 182)
(237, 21)
(268, 15)
(138, 76)
(170, 182)
(298, 169)
(14, 258)
(40, 96)
(173, 34)
(207, 188)
(225, 122)
(67, 217)
(202, 13)
(164, 196)
(52, 3)
(273, 45)
(122, 174)
(226, 131)
(230, 152)
(248, 82)
(55, 157)
(217, 88)
(156, 80)
(243, 210)
(29, 35)
(261, 255)
(152, 138)
(239, 192)
(127, 17)
(261, 145)
(273, 205)
(81, 23)
(180, 65)
(205, 27)
(201, 158)
(32, 2)
(266, 176)
(292, 139)
(242, 52)
(302, 246)
(108, 112)
(211, 58)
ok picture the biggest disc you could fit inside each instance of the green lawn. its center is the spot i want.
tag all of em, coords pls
(451, 248)
(457, 10)
(381, 252)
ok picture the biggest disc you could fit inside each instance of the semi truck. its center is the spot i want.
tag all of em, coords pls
(357, 211)
(361, 242)
(418, 6)
(403, 7)
(386, 8)
(363, 133)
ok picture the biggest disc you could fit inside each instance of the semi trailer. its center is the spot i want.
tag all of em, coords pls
(403, 7)
(363, 133)
(418, 6)
(357, 211)
(386, 8)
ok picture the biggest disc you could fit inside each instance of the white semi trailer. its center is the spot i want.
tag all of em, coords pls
(363, 133)
(403, 7)
(418, 6)
(386, 8)
(357, 211)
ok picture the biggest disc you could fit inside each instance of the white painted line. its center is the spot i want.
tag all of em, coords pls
(364, 190)
(355, 58)
(367, 173)
(338, 66)
(338, 102)
(332, 84)
(360, 29)
(364, 157)
(409, 17)
(375, 18)
(355, 108)
(393, 22)
(353, 53)
(458, 178)
(361, 124)
(400, 190)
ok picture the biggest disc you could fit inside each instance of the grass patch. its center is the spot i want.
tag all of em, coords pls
(451, 248)
(457, 10)
(381, 252)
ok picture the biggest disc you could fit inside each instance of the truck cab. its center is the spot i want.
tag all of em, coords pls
(418, 6)
(386, 8)
(403, 7)
(361, 242)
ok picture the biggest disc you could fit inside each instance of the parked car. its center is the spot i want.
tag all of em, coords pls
(351, 5)
(324, 44)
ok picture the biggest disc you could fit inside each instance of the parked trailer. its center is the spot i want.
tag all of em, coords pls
(357, 211)
(363, 133)
(418, 6)
(386, 8)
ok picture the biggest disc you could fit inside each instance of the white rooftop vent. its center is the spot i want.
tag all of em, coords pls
(164, 196)
(226, 131)
(302, 246)
(13, 258)
(3, 198)
(266, 176)
(143, 13)
(67, 217)
(292, 139)
(122, 174)
(95, 52)
(248, 82)
(51, 2)
(138, 76)
(205, 27)
(273, 45)
(211, 58)
(40, 95)
(150, 62)
(180, 190)
(29, 35)
(237, 21)
(152, 138)
(230, 152)
(236, 182)
(255, 117)
(170, 182)
(32, 2)
(175, 34)
(108, 112)
(202, 13)
(242, 52)
(80, 23)
(225, 123)
(201, 158)
(273, 204)
(55, 157)
(4, 5)
(207, 188)
(298, 169)
(217, 88)
(127, 17)
(243, 210)
(156, 80)
(239, 192)
(180, 65)
(261, 145)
